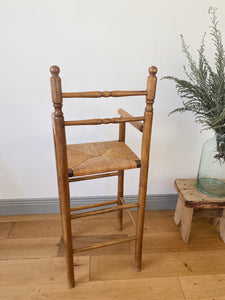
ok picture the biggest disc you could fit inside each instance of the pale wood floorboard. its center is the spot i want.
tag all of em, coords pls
(32, 267)
(207, 287)
(85, 241)
(28, 248)
(144, 289)
(41, 270)
(5, 229)
(158, 265)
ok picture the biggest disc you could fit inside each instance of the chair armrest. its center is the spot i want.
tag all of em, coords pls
(137, 124)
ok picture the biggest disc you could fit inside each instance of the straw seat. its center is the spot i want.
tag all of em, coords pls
(94, 158)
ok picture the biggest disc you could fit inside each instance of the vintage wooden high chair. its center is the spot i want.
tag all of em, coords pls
(103, 159)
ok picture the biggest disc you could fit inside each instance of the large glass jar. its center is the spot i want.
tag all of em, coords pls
(211, 173)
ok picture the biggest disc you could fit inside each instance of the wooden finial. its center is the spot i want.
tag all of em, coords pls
(54, 70)
(151, 86)
(56, 91)
(152, 70)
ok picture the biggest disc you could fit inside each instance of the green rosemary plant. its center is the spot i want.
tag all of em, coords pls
(203, 92)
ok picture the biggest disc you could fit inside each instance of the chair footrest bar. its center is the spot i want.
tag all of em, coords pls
(94, 205)
(102, 211)
(100, 245)
(129, 212)
(88, 177)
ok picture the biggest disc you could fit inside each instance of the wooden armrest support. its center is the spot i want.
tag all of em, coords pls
(136, 124)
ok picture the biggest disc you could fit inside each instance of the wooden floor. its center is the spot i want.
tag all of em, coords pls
(32, 261)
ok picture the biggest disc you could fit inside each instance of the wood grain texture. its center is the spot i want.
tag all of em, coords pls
(178, 212)
(120, 185)
(192, 197)
(21, 218)
(5, 229)
(104, 244)
(28, 248)
(103, 121)
(207, 287)
(93, 205)
(192, 201)
(145, 152)
(186, 221)
(158, 264)
(41, 270)
(222, 226)
(89, 177)
(144, 289)
(172, 242)
(97, 94)
(30, 268)
(92, 158)
(62, 170)
(104, 210)
(36, 229)
(85, 241)
(129, 212)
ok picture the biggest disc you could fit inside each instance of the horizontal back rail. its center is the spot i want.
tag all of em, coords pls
(98, 94)
(102, 121)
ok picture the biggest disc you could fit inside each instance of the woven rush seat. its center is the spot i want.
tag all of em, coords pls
(93, 158)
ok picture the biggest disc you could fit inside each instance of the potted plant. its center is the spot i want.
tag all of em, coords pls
(203, 93)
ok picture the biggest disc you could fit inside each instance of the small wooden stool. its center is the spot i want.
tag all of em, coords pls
(190, 201)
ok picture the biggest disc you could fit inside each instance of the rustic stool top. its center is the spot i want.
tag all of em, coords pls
(192, 197)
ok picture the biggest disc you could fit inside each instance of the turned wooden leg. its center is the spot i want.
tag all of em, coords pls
(178, 211)
(222, 226)
(67, 236)
(122, 131)
(146, 138)
(186, 220)
(120, 194)
(140, 228)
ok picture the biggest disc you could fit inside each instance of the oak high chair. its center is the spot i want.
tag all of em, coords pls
(103, 159)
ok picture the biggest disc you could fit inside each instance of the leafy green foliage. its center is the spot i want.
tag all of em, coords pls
(204, 91)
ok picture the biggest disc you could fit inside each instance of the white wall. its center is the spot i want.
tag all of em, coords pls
(100, 45)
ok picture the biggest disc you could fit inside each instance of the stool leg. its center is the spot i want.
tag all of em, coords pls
(120, 194)
(222, 226)
(215, 221)
(178, 211)
(186, 220)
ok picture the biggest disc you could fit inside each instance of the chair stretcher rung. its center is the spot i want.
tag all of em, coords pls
(88, 177)
(129, 212)
(100, 245)
(94, 205)
(102, 211)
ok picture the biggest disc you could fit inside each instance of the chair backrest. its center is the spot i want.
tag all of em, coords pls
(59, 123)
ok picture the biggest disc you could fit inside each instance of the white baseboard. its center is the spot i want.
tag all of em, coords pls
(51, 205)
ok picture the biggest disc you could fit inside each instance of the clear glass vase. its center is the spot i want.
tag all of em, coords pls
(211, 173)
